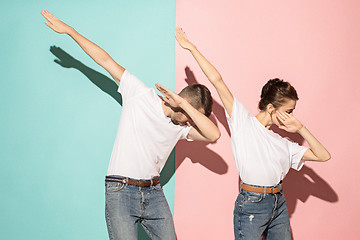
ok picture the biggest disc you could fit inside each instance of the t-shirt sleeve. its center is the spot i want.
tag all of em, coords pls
(296, 153)
(238, 116)
(185, 132)
(130, 86)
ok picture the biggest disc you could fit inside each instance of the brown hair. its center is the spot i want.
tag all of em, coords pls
(276, 92)
(199, 96)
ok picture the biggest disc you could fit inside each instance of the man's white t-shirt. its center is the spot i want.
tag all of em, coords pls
(145, 136)
(262, 157)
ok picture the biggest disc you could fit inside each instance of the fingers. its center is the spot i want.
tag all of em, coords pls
(280, 116)
(47, 15)
(163, 89)
(180, 34)
(160, 88)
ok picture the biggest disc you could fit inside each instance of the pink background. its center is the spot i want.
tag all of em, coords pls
(315, 46)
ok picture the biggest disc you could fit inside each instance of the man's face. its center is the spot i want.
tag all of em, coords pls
(182, 118)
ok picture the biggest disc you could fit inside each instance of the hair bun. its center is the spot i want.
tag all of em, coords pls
(276, 92)
(269, 86)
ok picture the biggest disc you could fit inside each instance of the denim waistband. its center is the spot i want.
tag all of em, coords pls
(261, 185)
(122, 177)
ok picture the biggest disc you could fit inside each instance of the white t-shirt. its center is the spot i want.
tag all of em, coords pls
(262, 157)
(145, 136)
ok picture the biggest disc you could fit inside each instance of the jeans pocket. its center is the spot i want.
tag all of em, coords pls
(250, 197)
(111, 187)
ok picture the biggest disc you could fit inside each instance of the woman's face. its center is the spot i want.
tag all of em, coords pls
(287, 107)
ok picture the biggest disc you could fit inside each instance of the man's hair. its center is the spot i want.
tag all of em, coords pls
(276, 92)
(199, 97)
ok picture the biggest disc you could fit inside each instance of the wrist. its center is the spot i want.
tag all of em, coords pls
(301, 129)
(192, 48)
(70, 31)
(183, 104)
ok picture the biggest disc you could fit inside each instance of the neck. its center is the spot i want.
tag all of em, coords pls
(264, 118)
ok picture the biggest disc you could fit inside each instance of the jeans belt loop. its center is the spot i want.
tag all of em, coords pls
(241, 184)
(151, 182)
(264, 191)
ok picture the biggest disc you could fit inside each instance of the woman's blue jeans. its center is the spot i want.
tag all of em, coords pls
(126, 205)
(258, 215)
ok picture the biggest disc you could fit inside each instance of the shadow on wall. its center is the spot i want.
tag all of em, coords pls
(198, 152)
(300, 185)
(110, 87)
(106, 84)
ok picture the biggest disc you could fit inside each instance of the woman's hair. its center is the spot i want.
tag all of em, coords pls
(199, 97)
(276, 92)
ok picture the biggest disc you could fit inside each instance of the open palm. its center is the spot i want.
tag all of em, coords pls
(54, 23)
(170, 97)
(289, 122)
(182, 39)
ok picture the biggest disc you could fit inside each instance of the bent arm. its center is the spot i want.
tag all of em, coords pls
(317, 151)
(209, 70)
(95, 52)
(205, 130)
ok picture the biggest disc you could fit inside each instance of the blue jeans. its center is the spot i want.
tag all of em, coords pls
(258, 215)
(126, 205)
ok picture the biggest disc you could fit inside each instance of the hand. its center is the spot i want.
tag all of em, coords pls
(289, 122)
(183, 40)
(54, 23)
(170, 97)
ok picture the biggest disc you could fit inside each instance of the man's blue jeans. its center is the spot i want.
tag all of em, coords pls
(258, 215)
(126, 205)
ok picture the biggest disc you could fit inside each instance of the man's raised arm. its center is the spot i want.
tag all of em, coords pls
(94, 51)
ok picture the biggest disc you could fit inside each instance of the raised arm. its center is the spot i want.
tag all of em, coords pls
(317, 151)
(204, 129)
(95, 52)
(209, 70)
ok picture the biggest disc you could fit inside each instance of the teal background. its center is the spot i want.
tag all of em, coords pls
(57, 126)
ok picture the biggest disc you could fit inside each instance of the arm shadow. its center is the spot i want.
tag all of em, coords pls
(300, 185)
(217, 108)
(197, 151)
(106, 84)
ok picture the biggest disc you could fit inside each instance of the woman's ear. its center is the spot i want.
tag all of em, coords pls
(270, 108)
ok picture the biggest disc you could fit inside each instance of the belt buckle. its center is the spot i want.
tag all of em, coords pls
(123, 180)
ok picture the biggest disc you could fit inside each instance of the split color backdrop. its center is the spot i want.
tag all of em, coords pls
(59, 119)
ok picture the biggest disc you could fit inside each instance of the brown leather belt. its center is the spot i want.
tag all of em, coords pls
(140, 183)
(261, 189)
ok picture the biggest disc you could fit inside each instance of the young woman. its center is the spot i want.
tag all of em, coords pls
(263, 157)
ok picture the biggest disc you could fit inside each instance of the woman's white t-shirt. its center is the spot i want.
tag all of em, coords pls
(262, 157)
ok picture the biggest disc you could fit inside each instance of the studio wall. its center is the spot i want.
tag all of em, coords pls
(59, 119)
(313, 45)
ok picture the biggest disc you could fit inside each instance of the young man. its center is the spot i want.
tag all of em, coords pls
(149, 128)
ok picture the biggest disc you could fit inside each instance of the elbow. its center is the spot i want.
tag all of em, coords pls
(326, 158)
(215, 137)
